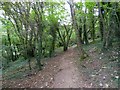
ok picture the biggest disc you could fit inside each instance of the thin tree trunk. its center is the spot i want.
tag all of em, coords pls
(112, 26)
(100, 22)
(11, 51)
(80, 34)
(65, 47)
(103, 29)
(52, 47)
(93, 27)
(79, 45)
(29, 62)
(84, 29)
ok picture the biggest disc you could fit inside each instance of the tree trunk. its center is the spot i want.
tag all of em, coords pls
(52, 47)
(93, 28)
(112, 26)
(9, 40)
(84, 29)
(79, 45)
(80, 34)
(100, 22)
(29, 62)
(65, 47)
(38, 58)
(103, 27)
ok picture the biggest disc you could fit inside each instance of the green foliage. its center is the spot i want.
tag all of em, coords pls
(90, 5)
(38, 29)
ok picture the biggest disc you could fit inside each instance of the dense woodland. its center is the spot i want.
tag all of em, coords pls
(37, 29)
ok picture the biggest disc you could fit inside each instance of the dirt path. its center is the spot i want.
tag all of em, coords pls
(68, 75)
(62, 71)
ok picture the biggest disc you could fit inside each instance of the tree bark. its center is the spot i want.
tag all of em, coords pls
(102, 22)
(85, 30)
(53, 34)
(79, 45)
(10, 45)
(93, 26)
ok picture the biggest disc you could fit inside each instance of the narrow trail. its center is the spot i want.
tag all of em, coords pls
(64, 71)
(60, 71)
(68, 75)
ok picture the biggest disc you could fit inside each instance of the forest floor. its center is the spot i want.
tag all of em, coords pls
(65, 70)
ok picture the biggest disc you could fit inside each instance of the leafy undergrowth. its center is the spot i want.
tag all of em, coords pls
(19, 75)
(100, 69)
(20, 68)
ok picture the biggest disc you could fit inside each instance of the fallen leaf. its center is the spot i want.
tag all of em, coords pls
(106, 85)
(41, 87)
(46, 84)
(116, 77)
(100, 84)
(104, 78)
(92, 75)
